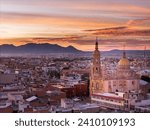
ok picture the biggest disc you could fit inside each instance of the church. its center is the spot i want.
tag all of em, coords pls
(112, 87)
(123, 79)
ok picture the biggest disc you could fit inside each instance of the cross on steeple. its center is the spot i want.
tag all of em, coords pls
(96, 44)
(124, 53)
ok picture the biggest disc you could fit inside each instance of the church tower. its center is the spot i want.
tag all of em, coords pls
(96, 73)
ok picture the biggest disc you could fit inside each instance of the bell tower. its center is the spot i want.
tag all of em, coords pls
(96, 65)
(96, 73)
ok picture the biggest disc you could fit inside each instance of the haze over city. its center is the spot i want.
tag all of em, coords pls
(76, 23)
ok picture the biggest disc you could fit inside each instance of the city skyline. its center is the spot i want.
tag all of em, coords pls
(76, 23)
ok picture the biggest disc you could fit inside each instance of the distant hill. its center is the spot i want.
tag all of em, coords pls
(119, 53)
(46, 48)
(34, 48)
(116, 52)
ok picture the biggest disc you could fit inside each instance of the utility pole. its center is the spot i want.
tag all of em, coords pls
(145, 58)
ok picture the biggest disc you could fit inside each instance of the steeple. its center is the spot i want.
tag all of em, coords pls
(124, 62)
(96, 72)
(96, 61)
(96, 44)
(124, 53)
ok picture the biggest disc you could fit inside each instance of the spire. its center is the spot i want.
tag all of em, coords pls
(96, 44)
(124, 53)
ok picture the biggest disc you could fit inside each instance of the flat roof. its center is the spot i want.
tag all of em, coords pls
(144, 103)
(109, 95)
(31, 98)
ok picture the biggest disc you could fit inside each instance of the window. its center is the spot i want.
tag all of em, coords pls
(109, 88)
(97, 86)
(133, 83)
(124, 83)
(114, 83)
(96, 70)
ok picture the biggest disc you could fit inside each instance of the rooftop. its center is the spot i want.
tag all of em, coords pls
(31, 98)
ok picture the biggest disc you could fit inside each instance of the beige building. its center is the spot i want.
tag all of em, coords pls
(121, 79)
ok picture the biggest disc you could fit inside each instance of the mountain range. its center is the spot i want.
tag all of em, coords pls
(35, 48)
(46, 48)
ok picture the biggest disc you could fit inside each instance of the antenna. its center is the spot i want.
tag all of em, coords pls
(145, 58)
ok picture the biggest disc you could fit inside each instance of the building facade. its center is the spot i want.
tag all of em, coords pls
(96, 80)
(122, 80)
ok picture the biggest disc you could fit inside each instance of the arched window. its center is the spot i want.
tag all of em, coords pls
(109, 88)
(96, 70)
(97, 85)
(133, 82)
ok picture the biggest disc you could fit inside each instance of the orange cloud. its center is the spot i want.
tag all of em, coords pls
(119, 31)
(130, 28)
(138, 21)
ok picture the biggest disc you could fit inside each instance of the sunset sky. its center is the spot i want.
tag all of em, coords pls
(76, 23)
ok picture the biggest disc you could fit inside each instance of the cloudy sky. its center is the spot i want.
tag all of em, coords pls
(76, 23)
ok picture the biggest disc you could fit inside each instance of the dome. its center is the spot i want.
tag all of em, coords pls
(123, 62)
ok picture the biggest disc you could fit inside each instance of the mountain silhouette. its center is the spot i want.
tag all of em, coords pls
(37, 48)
